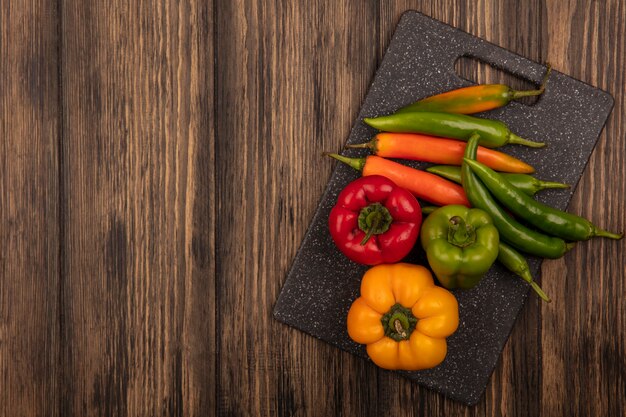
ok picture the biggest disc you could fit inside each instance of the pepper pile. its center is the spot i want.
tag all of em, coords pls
(486, 212)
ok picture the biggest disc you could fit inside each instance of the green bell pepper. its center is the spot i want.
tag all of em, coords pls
(461, 245)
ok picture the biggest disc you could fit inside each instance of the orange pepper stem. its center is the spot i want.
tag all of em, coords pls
(367, 145)
(399, 322)
(527, 93)
(356, 163)
(399, 329)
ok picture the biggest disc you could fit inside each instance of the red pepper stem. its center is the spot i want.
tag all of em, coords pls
(370, 231)
(356, 163)
(374, 220)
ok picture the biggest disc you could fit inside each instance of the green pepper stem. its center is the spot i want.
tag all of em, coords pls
(605, 233)
(459, 233)
(374, 219)
(550, 184)
(426, 210)
(524, 273)
(367, 145)
(399, 322)
(356, 163)
(399, 329)
(516, 140)
(540, 292)
(370, 230)
(527, 93)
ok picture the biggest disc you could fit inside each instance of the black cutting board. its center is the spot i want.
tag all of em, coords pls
(419, 62)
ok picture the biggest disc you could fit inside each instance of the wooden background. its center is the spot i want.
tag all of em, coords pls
(160, 163)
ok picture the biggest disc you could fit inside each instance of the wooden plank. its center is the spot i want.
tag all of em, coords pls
(290, 78)
(138, 121)
(584, 332)
(29, 216)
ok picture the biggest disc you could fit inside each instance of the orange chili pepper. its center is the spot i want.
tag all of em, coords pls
(474, 99)
(418, 147)
(424, 185)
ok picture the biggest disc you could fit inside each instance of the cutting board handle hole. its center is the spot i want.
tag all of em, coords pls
(477, 71)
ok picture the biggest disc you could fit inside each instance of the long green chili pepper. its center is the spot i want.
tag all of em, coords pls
(474, 99)
(516, 263)
(526, 183)
(493, 133)
(556, 222)
(510, 259)
(518, 235)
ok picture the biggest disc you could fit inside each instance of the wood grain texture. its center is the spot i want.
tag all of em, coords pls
(29, 200)
(159, 166)
(288, 72)
(584, 335)
(137, 115)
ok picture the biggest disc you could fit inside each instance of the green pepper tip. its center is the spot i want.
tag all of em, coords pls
(540, 292)
(605, 233)
(355, 163)
(366, 145)
(516, 140)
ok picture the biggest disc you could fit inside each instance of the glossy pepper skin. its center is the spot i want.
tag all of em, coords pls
(493, 133)
(526, 183)
(474, 99)
(519, 236)
(402, 317)
(418, 147)
(424, 185)
(375, 221)
(461, 245)
(548, 219)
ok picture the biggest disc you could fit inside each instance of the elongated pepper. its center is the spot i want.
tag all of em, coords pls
(518, 235)
(474, 99)
(418, 147)
(549, 219)
(424, 185)
(493, 133)
(526, 183)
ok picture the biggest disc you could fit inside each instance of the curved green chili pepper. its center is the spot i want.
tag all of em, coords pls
(518, 235)
(493, 133)
(556, 222)
(516, 263)
(526, 183)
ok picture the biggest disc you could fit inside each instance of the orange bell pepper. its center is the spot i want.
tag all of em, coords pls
(402, 317)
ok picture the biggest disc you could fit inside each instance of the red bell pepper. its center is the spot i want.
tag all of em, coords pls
(375, 221)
